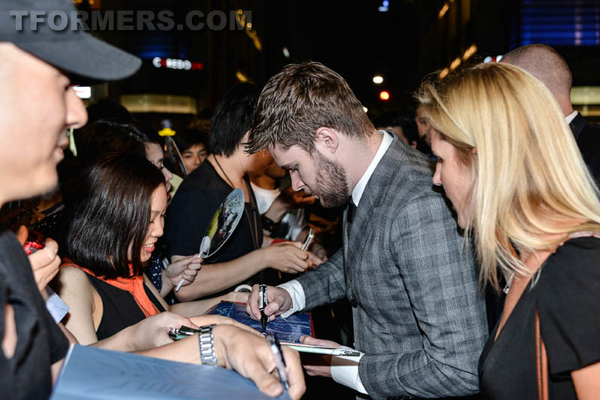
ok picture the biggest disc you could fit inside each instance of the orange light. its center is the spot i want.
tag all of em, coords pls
(384, 95)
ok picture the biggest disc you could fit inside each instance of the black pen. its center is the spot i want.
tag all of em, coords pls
(262, 303)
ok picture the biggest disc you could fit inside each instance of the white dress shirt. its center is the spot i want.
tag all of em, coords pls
(569, 118)
(344, 370)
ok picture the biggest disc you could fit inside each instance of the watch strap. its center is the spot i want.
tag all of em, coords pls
(207, 345)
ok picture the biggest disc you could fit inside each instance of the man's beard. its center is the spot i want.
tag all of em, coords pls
(331, 185)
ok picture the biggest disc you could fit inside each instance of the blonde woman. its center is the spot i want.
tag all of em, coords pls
(510, 166)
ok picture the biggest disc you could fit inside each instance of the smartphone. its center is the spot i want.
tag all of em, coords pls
(309, 239)
(35, 241)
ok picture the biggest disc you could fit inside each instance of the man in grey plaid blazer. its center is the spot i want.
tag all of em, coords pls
(419, 317)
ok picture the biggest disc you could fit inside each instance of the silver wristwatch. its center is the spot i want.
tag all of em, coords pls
(207, 345)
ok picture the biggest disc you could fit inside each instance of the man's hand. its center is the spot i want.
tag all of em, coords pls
(318, 365)
(251, 356)
(185, 268)
(286, 257)
(45, 263)
(315, 261)
(279, 302)
(319, 251)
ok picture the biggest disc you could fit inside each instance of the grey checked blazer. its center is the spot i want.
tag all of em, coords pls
(418, 313)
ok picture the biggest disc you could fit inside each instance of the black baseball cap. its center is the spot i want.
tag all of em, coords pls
(70, 49)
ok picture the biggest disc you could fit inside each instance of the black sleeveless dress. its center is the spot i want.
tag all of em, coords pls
(120, 308)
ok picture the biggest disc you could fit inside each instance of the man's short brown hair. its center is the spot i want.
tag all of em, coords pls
(301, 99)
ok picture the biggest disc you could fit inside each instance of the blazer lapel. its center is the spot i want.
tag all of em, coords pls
(577, 125)
(371, 200)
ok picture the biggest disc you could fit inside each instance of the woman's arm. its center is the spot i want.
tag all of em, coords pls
(194, 308)
(587, 382)
(74, 288)
(245, 352)
(213, 278)
(198, 307)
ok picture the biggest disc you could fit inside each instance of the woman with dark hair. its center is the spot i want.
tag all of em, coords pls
(111, 232)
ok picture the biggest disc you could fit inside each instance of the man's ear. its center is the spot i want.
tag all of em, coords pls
(327, 140)
(474, 151)
(246, 137)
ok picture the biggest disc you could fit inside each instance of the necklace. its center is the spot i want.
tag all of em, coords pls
(253, 224)
(223, 171)
(509, 283)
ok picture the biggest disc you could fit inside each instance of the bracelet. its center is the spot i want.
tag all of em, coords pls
(207, 345)
(268, 224)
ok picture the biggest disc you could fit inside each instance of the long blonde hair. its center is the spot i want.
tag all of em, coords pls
(529, 179)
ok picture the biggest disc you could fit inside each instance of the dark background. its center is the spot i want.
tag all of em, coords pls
(412, 39)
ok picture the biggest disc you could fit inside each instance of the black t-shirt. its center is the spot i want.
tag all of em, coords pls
(189, 214)
(567, 297)
(40, 342)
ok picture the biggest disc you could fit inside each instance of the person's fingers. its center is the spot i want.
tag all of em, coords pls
(51, 245)
(194, 265)
(265, 382)
(189, 274)
(315, 259)
(305, 339)
(172, 320)
(44, 258)
(300, 265)
(295, 374)
(22, 234)
(272, 308)
(252, 304)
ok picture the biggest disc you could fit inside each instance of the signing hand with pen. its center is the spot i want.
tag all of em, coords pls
(279, 301)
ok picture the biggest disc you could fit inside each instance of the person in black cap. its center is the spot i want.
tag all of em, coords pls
(37, 107)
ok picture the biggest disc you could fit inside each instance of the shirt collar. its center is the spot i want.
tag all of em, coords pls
(362, 183)
(569, 118)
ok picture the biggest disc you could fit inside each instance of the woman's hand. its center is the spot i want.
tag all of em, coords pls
(185, 268)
